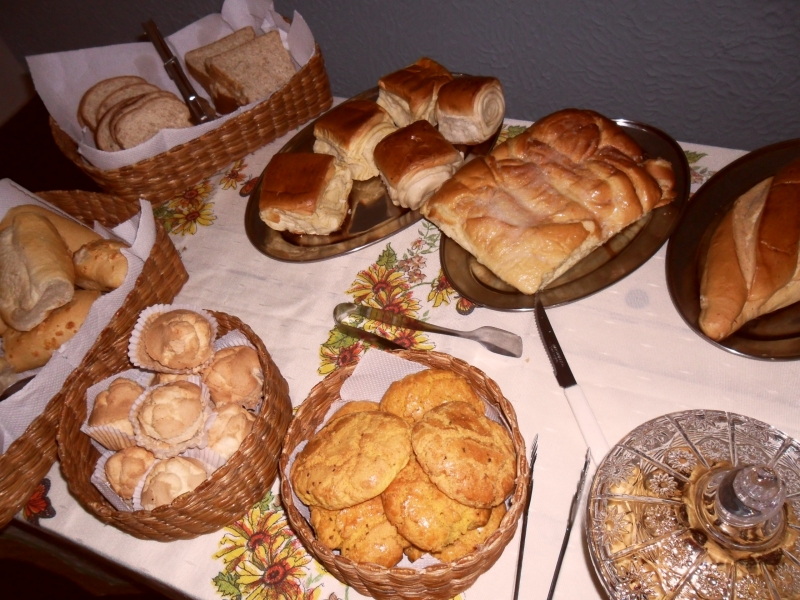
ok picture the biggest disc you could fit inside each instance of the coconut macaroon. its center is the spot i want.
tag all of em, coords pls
(232, 424)
(235, 377)
(170, 478)
(178, 340)
(125, 469)
(410, 94)
(350, 133)
(414, 162)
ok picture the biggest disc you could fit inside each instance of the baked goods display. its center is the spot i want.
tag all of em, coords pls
(543, 200)
(752, 266)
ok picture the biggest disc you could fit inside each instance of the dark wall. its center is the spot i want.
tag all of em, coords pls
(720, 72)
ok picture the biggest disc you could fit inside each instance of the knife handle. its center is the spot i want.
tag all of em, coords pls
(587, 423)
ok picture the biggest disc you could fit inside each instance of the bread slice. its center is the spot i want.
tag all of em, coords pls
(90, 102)
(102, 135)
(253, 70)
(196, 59)
(147, 116)
(126, 92)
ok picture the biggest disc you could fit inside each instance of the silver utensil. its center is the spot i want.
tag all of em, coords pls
(14, 388)
(534, 452)
(370, 337)
(493, 339)
(573, 510)
(587, 423)
(201, 109)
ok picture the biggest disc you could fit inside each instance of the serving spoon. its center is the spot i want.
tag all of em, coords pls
(496, 340)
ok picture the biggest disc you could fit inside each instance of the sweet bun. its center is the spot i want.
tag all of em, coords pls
(170, 478)
(235, 377)
(99, 265)
(125, 469)
(232, 424)
(169, 417)
(470, 109)
(409, 94)
(414, 395)
(178, 339)
(112, 407)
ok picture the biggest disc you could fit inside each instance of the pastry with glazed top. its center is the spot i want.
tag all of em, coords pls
(170, 418)
(304, 193)
(231, 425)
(409, 94)
(235, 377)
(99, 265)
(469, 109)
(469, 457)
(125, 469)
(170, 478)
(350, 131)
(112, 407)
(414, 162)
(178, 339)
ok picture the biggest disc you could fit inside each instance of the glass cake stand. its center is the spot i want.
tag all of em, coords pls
(698, 505)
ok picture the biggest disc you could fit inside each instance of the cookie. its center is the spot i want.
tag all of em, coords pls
(355, 406)
(351, 460)
(415, 394)
(424, 515)
(470, 540)
(468, 456)
(362, 533)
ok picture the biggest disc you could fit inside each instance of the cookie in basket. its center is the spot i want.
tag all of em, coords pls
(352, 459)
(355, 406)
(468, 456)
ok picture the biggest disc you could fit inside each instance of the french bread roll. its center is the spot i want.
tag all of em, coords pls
(75, 234)
(36, 271)
(27, 350)
(99, 265)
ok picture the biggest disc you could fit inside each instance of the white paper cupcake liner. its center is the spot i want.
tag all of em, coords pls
(137, 493)
(136, 352)
(99, 480)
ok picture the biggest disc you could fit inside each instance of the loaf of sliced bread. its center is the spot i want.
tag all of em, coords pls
(94, 96)
(148, 115)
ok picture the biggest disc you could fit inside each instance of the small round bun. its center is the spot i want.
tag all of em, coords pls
(112, 407)
(169, 479)
(414, 395)
(125, 469)
(179, 339)
(168, 416)
(227, 432)
(235, 377)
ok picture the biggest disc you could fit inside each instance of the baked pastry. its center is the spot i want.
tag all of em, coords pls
(170, 418)
(470, 109)
(425, 516)
(468, 456)
(351, 460)
(409, 94)
(355, 406)
(125, 469)
(36, 272)
(753, 266)
(27, 350)
(362, 533)
(73, 233)
(99, 265)
(414, 162)
(471, 539)
(543, 200)
(234, 376)
(91, 99)
(414, 395)
(169, 479)
(177, 339)
(170, 377)
(304, 193)
(350, 131)
(112, 407)
(232, 424)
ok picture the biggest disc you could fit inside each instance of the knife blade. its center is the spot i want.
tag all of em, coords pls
(199, 107)
(587, 422)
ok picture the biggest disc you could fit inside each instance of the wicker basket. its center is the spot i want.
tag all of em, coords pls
(439, 581)
(159, 178)
(220, 500)
(30, 457)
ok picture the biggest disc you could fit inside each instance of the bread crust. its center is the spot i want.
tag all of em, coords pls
(470, 109)
(91, 99)
(411, 149)
(409, 94)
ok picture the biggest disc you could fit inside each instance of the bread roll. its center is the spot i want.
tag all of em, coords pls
(350, 131)
(36, 271)
(112, 407)
(304, 193)
(409, 94)
(170, 479)
(470, 109)
(74, 233)
(232, 424)
(100, 265)
(168, 416)
(32, 349)
(178, 339)
(91, 99)
(125, 469)
(235, 377)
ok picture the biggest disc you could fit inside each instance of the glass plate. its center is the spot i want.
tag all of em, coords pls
(618, 257)
(775, 336)
(370, 218)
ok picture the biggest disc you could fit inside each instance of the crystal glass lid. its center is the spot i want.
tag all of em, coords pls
(698, 505)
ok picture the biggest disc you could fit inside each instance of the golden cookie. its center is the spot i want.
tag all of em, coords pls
(351, 459)
(468, 456)
(424, 515)
(415, 394)
(470, 540)
(361, 532)
(355, 406)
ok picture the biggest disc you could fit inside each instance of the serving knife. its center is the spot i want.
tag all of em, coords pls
(200, 108)
(587, 422)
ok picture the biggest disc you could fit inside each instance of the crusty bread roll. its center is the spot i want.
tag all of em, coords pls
(170, 478)
(470, 109)
(235, 377)
(36, 271)
(414, 162)
(125, 469)
(99, 265)
(231, 425)
(75, 234)
(304, 193)
(32, 349)
(753, 265)
(409, 94)
(94, 96)
(350, 131)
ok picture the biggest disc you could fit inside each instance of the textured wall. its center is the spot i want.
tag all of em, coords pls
(722, 72)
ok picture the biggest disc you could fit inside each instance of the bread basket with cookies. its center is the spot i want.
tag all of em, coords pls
(152, 273)
(122, 122)
(405, 475)
(177, 432)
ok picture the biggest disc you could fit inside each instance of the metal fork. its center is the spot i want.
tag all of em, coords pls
(534, 453)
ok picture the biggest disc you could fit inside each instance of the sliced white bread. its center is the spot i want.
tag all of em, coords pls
(126, 92)
(147, 116)
(90, 102)
(196, 59)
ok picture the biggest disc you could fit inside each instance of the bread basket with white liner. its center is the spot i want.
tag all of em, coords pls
(175, 159)
(30, 417)
(222, 498)
(427, 577)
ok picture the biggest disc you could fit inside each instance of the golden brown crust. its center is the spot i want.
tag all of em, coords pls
(417, 84)
(355, 406)
(234, 376)
(345, 123)
(178, 339)
(99, 265)
(471, 539)
(295, 181)
(113, 406)
(126, 468)
(73, 233)
(458, 96)
(169, 479)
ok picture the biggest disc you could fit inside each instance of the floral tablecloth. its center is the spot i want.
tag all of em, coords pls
(629, 349)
